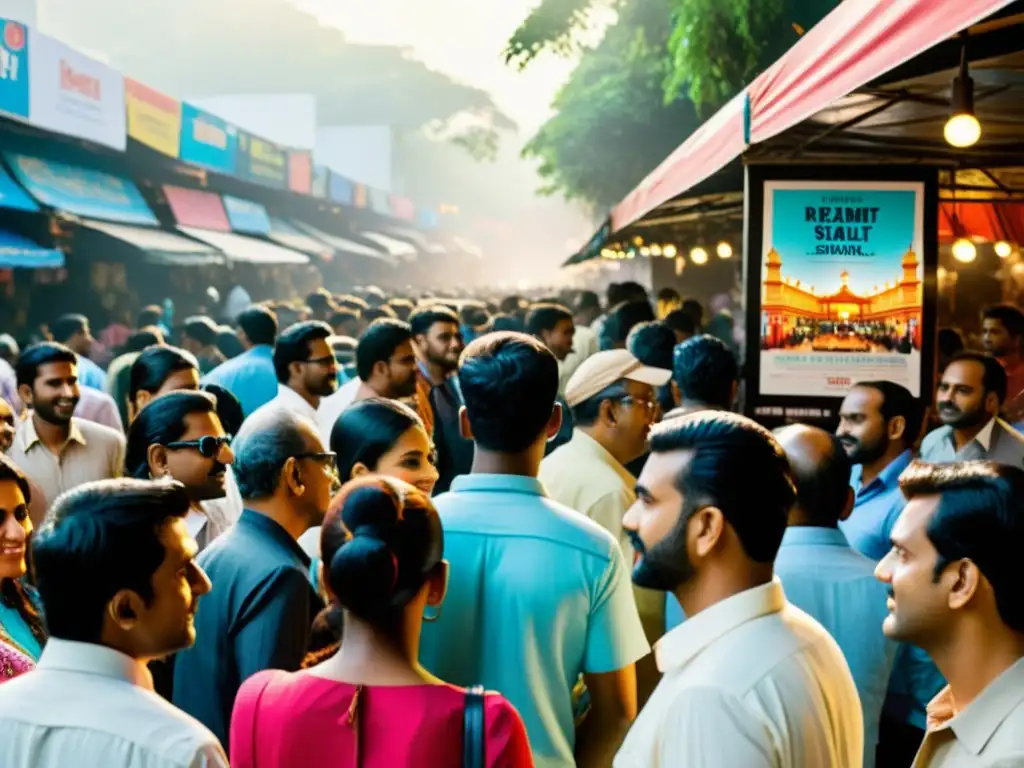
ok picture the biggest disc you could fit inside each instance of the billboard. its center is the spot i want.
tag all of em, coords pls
(14, 67)
(207, 140)
(262, 162)
(154, 119)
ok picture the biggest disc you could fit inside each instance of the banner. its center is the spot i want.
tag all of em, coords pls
(300, 171)
(360, 196)
(341, 189)
(841, 286)
(72, 94)
(246, 216)
(154, 119)
(81, 191)
(14, 68)
(207, 140)
(320, 174)
(262, 162)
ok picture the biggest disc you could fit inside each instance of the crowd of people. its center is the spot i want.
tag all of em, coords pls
(367, 531)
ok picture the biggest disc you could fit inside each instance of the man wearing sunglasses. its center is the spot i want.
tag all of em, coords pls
(306, 368)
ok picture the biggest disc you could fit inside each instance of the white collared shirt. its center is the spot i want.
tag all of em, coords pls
(332, 406)
(290, 400)
(751, 681)
(89, 706)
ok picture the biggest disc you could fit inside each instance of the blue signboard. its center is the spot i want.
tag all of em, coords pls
(13, 68)
(341, 189)
(247, 216)
(81, 191)
(427, 218)
(18, 251)
(13, 196)
(207, 140)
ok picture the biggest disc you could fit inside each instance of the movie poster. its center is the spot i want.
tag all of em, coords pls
(841, 286)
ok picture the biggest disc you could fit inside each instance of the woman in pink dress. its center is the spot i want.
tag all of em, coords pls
(371, 705)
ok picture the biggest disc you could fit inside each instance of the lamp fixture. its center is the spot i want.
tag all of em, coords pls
(724, 250)
(964, 250)
(669, 251)
(1003, 249)
(699, 256)
(962, 129)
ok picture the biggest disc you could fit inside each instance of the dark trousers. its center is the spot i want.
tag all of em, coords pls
(897, 744)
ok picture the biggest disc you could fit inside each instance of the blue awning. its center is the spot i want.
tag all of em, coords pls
(13, 196)
(18, 251)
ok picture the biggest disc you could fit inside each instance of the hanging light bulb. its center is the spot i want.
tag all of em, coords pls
(645, 251)
(964, 250)
(655, 250)
(699, 256)
(1003, 249)
(669, 251)
(724, 250)
(962, 129)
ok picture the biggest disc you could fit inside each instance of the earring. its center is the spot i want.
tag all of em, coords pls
(431, 617)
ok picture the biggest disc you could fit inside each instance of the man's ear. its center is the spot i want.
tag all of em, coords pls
(555, 421)
(677, 394)
(25, 393)
(897, 428)
(156, 457)
(465, 428)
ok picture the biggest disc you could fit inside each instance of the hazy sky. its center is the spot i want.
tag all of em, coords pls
(462, 38)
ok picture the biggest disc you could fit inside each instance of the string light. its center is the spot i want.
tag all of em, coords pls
(1003, 249)
(670, 251)
(724, 250)
(964, 250)
(699, 256)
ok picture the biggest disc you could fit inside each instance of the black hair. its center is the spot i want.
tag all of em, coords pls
(668, 294)
(632, 291)
(993, 378)
(503, 322)
(367, 430)
(352, 302)
(149, 315)
(32, 358)
(587, 300)
(228, 343)
(897, 401)
(13, 593)
(980, 516)
(139, 340)
(229, 407)
(319, 299)
(202, 329)
(545, 317)
(423, 319)
(823, 485)
(403, 308)
(66, 326)
(705, 369)
(293, 345)
(154, 366)
(259, 324)
(262, 447)
(1007, 314)
(159, 423)
(380, 312)
(474, 315)
(652, 343)
(681, 322)
(342, 316)
(380, 540)
(737, 466)
(511, 304)
(694, 309)
(378, 343)
(950, 342)
(106, 535)
(621, 319)
(509, 382)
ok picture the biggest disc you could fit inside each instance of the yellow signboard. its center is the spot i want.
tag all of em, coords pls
(153, 118)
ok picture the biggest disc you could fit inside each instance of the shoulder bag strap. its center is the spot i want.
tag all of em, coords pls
(473, 748)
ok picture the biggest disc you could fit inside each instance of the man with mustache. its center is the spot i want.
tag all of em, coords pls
(305, 366)
(749, 680)
(57, 450)
(954, 586)
(970, 396)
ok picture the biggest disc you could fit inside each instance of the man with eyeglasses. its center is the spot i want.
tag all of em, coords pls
(260, 614)
(306, 368)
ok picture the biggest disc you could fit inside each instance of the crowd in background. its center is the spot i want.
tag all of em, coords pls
(368, 530)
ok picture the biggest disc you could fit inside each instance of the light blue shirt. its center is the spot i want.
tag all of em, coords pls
(250, 377)
(876, 507)
(91, 375)
(824, 577)
(537, 595)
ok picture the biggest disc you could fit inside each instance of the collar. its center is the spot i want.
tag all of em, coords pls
(271, 528)
(482, 483)
(888, 477)
(584, 442)
(975, 725)
(31, 437)
(294, 401)
(695, 634)
(984, 437)
(810, 535)
(262, 350)
(94, 659)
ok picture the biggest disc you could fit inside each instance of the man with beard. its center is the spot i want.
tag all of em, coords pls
(749, 680)
(306, 368)
(954, 590)
(1002, 327)
(878, 424)
(438, 344)
(54, 448)
(970, 395)
(261, 614)
(386, 367)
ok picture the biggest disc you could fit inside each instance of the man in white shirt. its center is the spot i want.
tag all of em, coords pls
(749, 679)
(89, 703)
(306, 368)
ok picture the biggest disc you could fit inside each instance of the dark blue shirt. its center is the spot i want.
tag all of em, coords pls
(257, 616)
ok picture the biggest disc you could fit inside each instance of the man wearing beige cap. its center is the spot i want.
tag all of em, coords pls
(614, 406)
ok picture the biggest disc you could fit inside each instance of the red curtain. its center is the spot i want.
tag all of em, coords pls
(988, 221)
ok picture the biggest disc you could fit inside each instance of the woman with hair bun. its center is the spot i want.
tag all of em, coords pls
(371, 705)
